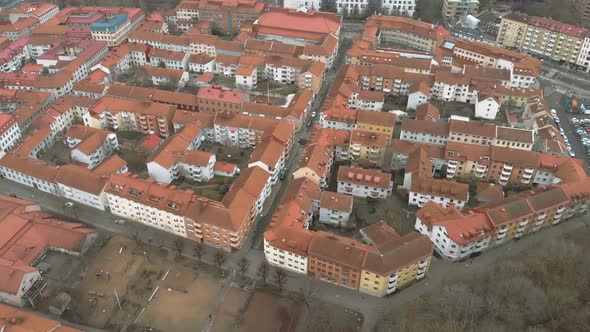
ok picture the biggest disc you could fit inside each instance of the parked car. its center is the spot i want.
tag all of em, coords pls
(119, 221)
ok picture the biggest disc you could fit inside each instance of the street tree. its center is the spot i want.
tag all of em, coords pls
(280, 277)
(328, 6)
(199, 250)
(373, 7)
(179, 244)
(243, 265)
(219, 259)
(263, 271)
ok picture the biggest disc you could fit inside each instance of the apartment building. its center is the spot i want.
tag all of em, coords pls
(168, 59)
(423, 188)
(114, 31)
(368, 147)
(401, 150)
(335, 208)
(10, 132)
(230, 17)
(470, 233)
(325, 52)
(269, 155)
(384, 270)
(78, 184)
(90, 146)
(545, 38)
(149, 203)
(177, 157)
(418, 35)
(29, 172)
(419, 94)
(201, 63)
(249, 131)
(523, 69)
(511, 166)
(362, 182)
(386, 263)
(119, 113)
(458, 9)
(182, 101)
(163, 76)
(19, 29)
(391, 7)
(485, 133)
(316, 163)
(336, 259)
(218, 100)
(428, 132)
(456, 235)
(246, 77)
(376, 122)
(13, 55)
(39, 10)
(513, 30)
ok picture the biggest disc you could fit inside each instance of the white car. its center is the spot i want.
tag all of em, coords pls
(556, 120)
(572, 154)
(553, 112)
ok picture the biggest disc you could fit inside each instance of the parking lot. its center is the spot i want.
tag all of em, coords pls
(566, 125)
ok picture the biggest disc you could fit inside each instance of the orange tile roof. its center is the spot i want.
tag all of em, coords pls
(268, 152)
(17, 320)
(368, 138)
(27, 233)
(438, 187)
(361, 176)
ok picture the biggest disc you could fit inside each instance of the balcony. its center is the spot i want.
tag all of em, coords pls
(393, 278)
(422, 264)
(356, 148)
(507, 168)
(542, 216)
(560, 210)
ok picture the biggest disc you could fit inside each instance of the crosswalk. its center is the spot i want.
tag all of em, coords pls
(561, 90)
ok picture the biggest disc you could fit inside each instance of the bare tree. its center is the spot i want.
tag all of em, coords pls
(199, 250)
(179, 244)
(263, 271)
(243, 265)
(306, 293)
(280, 277)
(219, 259)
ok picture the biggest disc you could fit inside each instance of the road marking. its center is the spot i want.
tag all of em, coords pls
(561, 90)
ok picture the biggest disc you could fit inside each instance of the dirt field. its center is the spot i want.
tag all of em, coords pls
(182, 302)
(328, 317)
(154, 292)
(270, 312)
(158, 294)
(230, 314)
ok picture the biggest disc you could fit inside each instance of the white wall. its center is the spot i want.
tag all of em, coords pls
(284, 259)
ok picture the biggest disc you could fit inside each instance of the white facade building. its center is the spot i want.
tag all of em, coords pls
(285, 259)
(487, 108)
